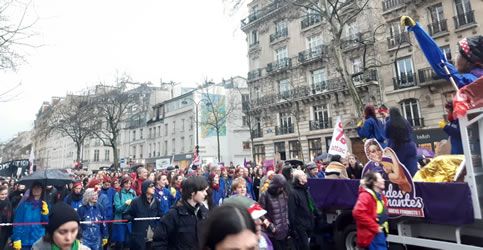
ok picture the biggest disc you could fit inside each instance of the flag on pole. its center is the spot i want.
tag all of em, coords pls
(31, 160)
(245, 162)
(338, 144)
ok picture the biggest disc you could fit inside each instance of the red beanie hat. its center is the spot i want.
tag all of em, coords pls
(93, 183)
(77, 184)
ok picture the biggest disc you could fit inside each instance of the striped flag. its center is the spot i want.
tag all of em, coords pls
(31, 160)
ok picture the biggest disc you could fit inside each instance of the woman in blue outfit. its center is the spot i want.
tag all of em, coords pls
(94, 235)
(173, 192)
(122, 200)
(33, 209)
(371, 127)
(217, 192)
(400, 137)
(161, 192)
(74, 199)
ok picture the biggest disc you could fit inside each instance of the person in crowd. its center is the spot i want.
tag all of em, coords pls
(16, 196)
(257, 182)
(109, 192)
(170, 176)
(174, 189)
(223, 230)
(94, 235)
(370, 213)
(51, 194)
(151, 176)
(62, 231)
(287, 173)
(399, 134)
(335, 169)
(301, 211)
(161, 191)
(224, 176)
(275, 202)
(248, 183)
(6, 216)
(216, 189)
(142, 175)
(279, 167)
(266, 180)
(122, 200)
(371, 127)
(144, 206)
(354, 168)
(33, 209)
(312, 170)
(239, 187)
(215, 169)
(116, 184)
(178, 229)
(452, 129)
(258, 216)
(229, 181)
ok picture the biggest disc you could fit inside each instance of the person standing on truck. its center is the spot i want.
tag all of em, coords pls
(370, 213)
(371, 127)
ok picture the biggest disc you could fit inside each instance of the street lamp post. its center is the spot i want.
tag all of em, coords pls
(196, 111)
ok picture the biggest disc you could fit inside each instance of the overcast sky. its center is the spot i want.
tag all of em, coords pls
(85, 42)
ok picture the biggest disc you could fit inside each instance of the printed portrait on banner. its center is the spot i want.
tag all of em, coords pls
(400, 191)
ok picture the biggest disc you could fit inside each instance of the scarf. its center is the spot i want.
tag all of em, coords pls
(35, 203)
(75, 246)
(215, 186)
(76, 197)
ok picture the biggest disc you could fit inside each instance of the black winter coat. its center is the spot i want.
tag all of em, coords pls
(179, 228)
(276, 204)
(300, 214)
(141, 208)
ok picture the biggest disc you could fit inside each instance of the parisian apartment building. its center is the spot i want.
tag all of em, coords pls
(296, 90)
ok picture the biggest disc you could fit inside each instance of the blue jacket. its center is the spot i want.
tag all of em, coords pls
(406, 152)
(172, 199)
(110, 192)
(218, 195)
(120, 199)
(28, 234)
(162, 195)
(73, 204)
(250, 189)
(371, 129)
(92, 234)
(104, 204)
(453, 130)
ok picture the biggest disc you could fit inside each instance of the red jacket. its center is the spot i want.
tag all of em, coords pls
(365, 214)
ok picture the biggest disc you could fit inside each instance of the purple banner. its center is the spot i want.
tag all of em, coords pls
(445, 203)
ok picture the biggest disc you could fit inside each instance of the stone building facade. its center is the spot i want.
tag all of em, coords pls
(296, 90)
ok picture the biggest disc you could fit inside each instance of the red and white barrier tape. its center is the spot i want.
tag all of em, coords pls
(82, 222)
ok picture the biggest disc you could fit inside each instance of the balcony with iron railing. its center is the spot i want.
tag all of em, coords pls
(320, 124)
(464, 19)
(265, 100)
(352, 41)
(335, 84)
(280, 65)
(397, 40)
(416, 123)
(388, 5)
(254, 74)
(427, 74)
(405, 80)
(313, 54)
(283, 130)
(438, 27)
(309, 21)
(297, 92)
(279, 34)
(366, 76)
(257, 133)
(259, 14)
(318, 87)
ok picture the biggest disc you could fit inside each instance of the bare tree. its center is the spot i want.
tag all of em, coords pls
(113, 106)
(219, 108)
(72, 117)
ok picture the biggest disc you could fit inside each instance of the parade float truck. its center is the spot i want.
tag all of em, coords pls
(445, 215)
